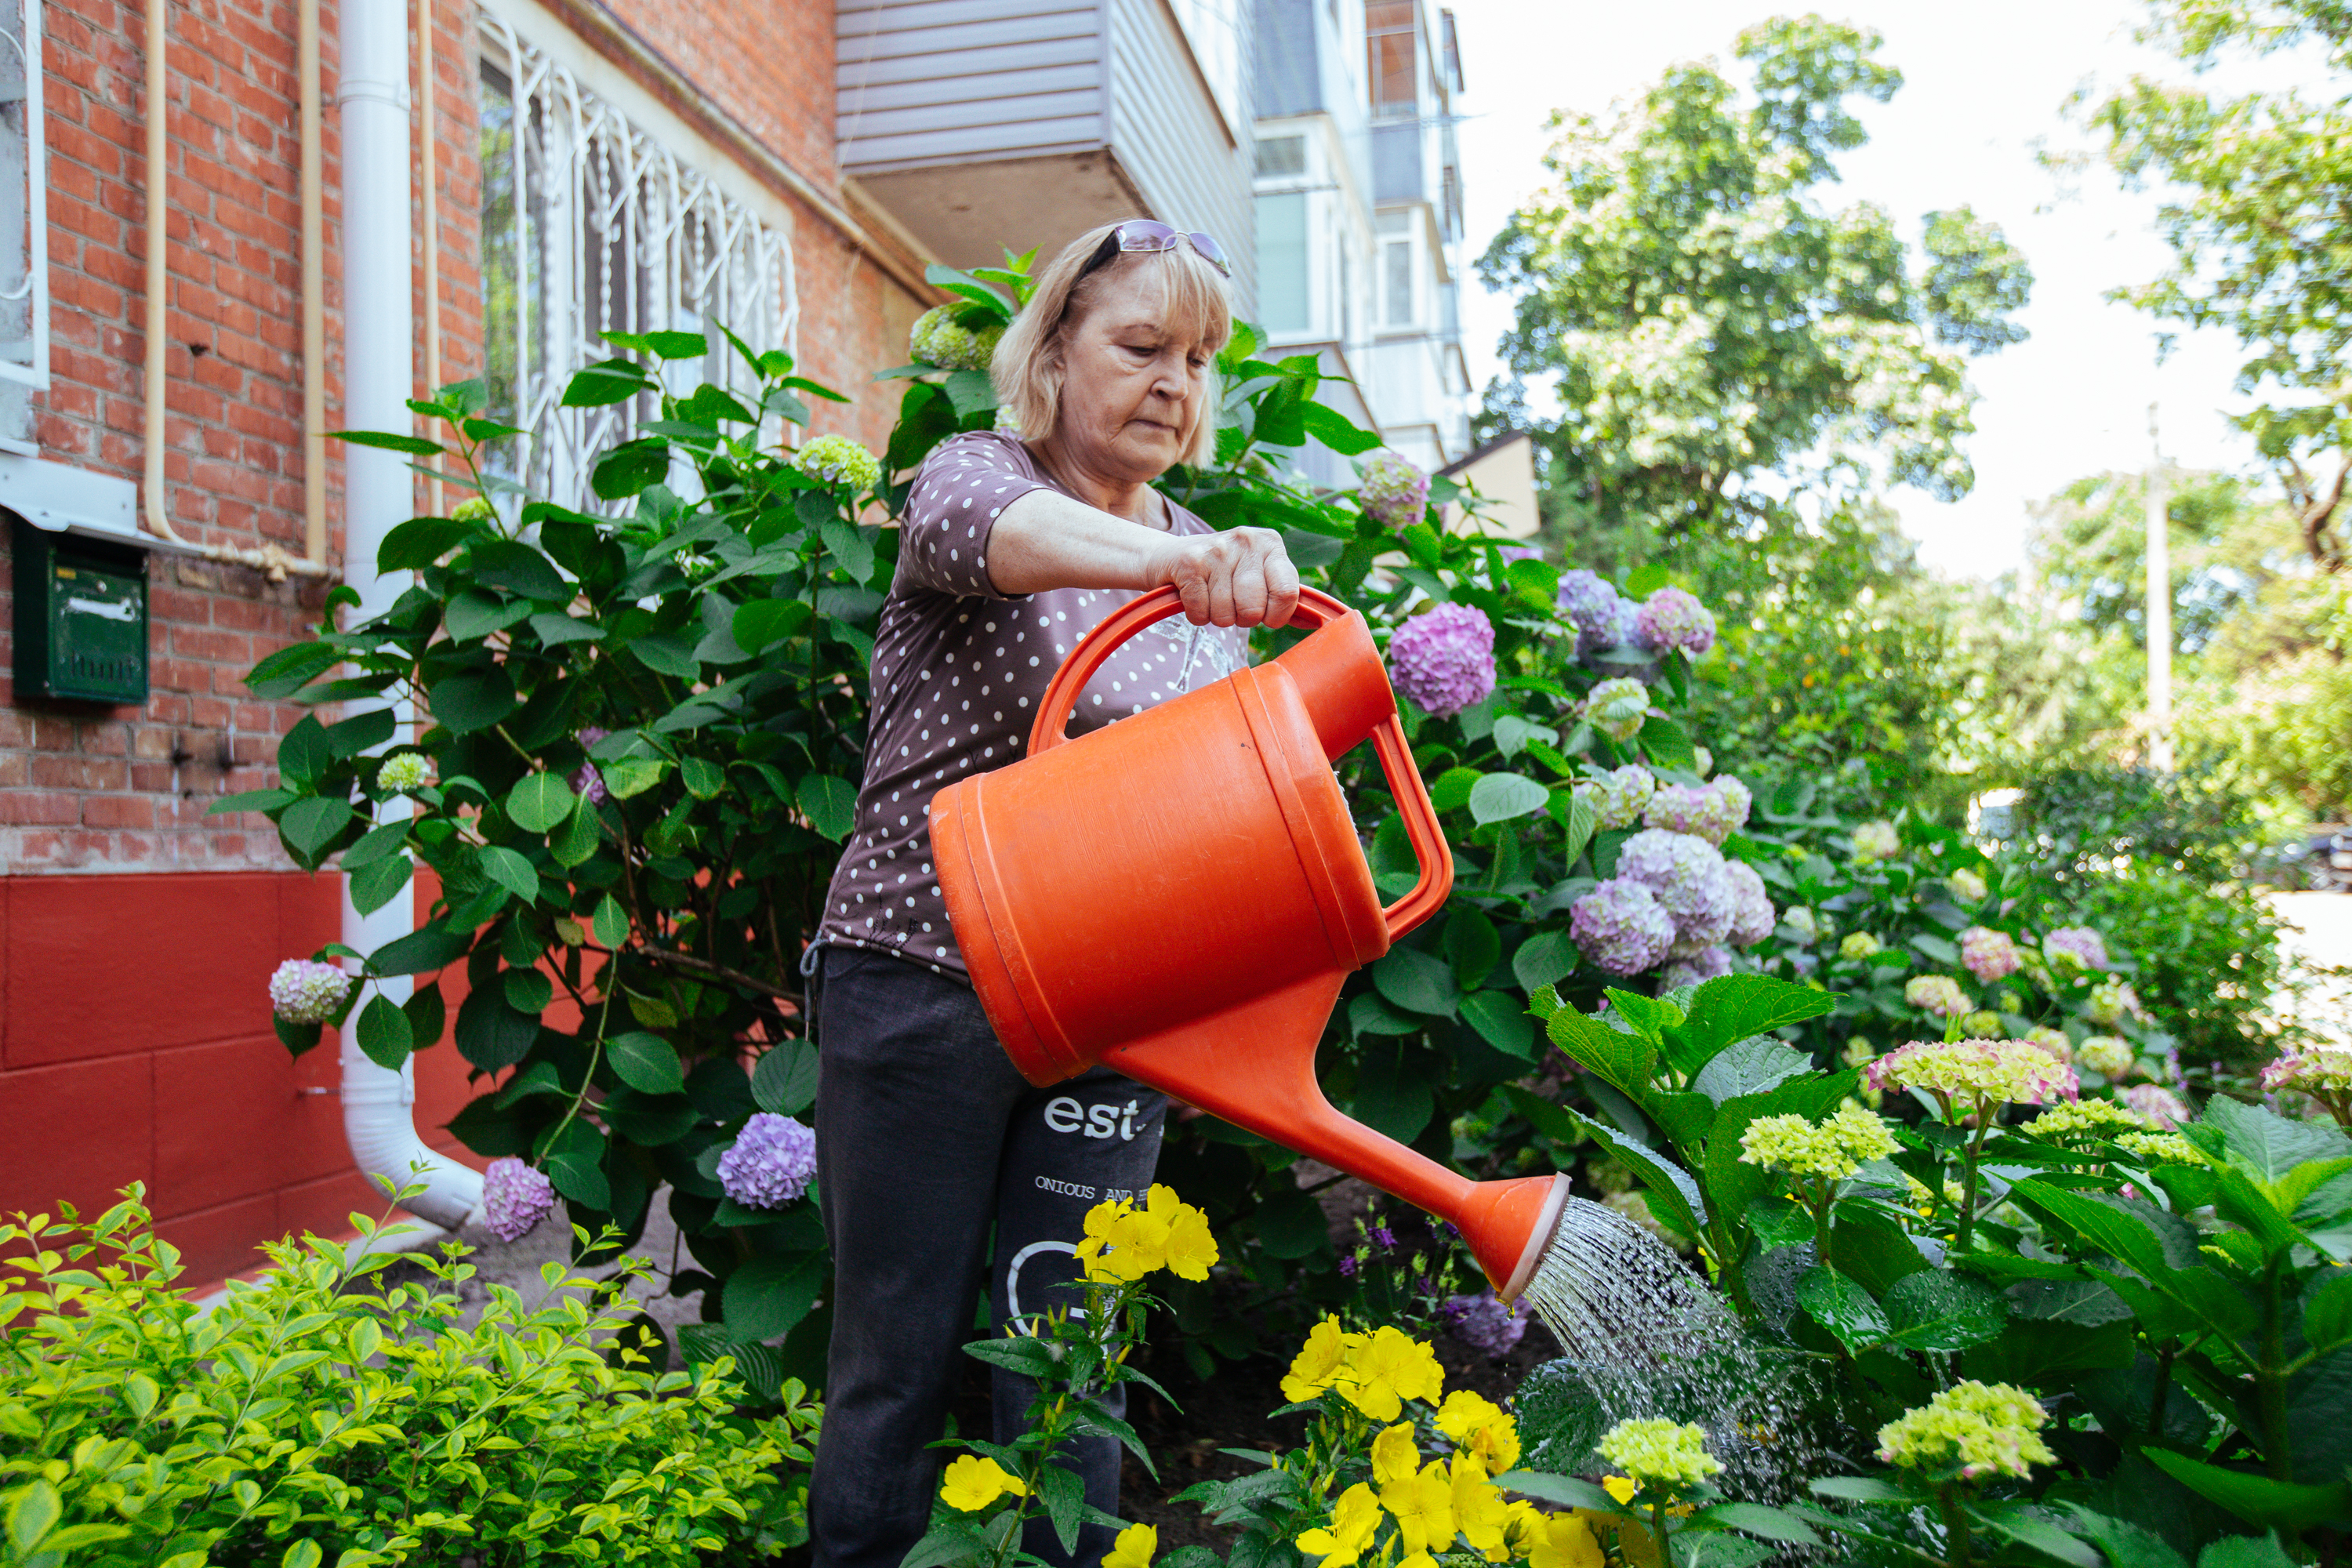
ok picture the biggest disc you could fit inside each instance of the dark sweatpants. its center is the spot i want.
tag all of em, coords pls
(925, 1134)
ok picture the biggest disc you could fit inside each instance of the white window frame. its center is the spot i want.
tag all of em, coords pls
(693, 221)
(36, 210)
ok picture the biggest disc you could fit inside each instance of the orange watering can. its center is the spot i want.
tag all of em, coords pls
(1181, 896)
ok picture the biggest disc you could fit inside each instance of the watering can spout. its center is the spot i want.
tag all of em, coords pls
(1181, 895)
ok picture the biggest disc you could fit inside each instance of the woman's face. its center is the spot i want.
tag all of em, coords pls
(1133, 391)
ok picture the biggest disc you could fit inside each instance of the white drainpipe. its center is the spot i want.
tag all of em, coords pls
(379, 1117)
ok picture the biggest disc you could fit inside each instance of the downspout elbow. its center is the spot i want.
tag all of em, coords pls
(380, 1124)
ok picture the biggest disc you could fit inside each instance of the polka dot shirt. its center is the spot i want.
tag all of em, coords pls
(959, 670)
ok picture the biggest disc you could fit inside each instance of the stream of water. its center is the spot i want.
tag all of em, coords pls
(1650, 1339)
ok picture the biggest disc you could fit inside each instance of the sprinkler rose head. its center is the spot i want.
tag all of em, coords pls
(1508, 1226)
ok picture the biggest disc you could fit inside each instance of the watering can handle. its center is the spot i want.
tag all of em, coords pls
(1315, 609)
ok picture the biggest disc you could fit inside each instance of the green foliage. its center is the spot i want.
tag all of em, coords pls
(324, 1415)
(1702, 318)
(2254, 184)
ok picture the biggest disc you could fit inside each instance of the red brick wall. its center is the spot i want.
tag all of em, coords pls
(134, 1035)
(135, 1045)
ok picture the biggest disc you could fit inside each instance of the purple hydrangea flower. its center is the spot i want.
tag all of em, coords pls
(2077, 944)
(304, 991)
(1672, 618)
(1752, 914)
(1588, 599)
(586, 780)
(1988, 954)
(1704, 965)
(1393, 492)
(1510, 553)
(1487, 1324)
(1620, 926)
(515, 1198)
(769, 1162)
(1711, 811)
(2156, 1102)
(1443, 659)
(1688, 876)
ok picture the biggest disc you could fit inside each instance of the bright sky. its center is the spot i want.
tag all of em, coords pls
(1984, 88)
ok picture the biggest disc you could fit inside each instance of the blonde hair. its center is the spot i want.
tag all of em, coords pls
(1027, 366)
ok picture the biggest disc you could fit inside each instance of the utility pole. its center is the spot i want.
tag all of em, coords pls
(2159, 602)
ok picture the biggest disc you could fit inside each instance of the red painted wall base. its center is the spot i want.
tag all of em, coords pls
(135, 1045)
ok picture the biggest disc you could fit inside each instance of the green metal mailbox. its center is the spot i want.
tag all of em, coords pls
(81, 618)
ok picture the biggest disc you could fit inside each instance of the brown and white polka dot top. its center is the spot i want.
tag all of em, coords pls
(959, 669)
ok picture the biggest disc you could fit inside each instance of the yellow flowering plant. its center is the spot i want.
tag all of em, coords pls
(1075, 1356)
(1658, 1488)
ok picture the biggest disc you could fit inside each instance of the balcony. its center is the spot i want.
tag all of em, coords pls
(977, 123)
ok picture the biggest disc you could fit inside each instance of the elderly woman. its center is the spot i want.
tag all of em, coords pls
(938, 1164)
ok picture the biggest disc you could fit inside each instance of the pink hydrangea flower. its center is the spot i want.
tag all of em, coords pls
(1443, 659)
(304, 991)
(1393, 492)
(2156, 1102)
(515, 1198)
(1979, 1072)
(1989, 955)
(1671, 618)
(2076, 945)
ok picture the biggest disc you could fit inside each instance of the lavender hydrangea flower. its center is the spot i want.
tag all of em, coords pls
(2158, 1104)
(304, 991)
(1588, 599)
(1443, 659)
(1688, 876)
(1704, 965)
(515, 1198)
(1617, 796)
(585, 779)
(1752, 914)
(1486, 1324)
(2077, 946)
(1618, 707)
(1620, 926)
(1710, 811)
(1671, 618)
(1989, 955)
(1393, 492)
(769, 1162)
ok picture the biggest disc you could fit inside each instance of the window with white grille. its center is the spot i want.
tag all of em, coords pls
(591, 224)
(23, 253)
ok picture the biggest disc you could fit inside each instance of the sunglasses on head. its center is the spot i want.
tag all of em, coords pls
(1149, 235)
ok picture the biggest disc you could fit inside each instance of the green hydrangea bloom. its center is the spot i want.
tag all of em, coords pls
(1659, 1454)
(937, 339)
(1835, 1148)
(838, 460)
(1970, 1429)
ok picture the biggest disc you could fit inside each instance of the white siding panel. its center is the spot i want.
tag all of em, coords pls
(1169, 135)
(973, 144)
(979, 66)
(941, 81)
(1013, 86)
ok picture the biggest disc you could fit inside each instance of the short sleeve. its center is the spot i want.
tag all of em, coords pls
(961, 490)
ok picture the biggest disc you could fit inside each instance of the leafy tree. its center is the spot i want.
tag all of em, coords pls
(2260, 233)
(1705, 321)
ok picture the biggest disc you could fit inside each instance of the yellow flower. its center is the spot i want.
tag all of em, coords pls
(1391, 1368)
(1480, 1512)
(1564, 1541)
(1320, 1360)
(1395, 1457)
(1133, 1548)
(1624, 1488)
(972, 1483)
(1108, 1251)
(1355, 1520)
(1482, 1428)
(1422, 1506)
(1191, 1249)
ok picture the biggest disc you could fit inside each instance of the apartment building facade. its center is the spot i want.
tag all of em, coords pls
(1359, 212)
(353, 200)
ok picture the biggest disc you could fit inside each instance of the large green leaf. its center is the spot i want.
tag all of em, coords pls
(1843, 1307)
(1623, 1060)
(1675, 1198)
(472, 700)
(491, 1035)
(1416, 981)
(2259, 1500)
(1757, 1064)
(768, 1295)
(1499, 797)
(1934, 1310)
(2267, 1144)
(785, 1078)
(646, 1062)
(310, 826)
(1542, 960)
(539, 802)
(433, 946)
(518, 568)
(511, 871)
(829, 804)
(379, 882)
(1734, 1007)
(384, 1033)
(1503, 1021)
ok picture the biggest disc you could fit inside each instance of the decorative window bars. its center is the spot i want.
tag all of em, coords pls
(591, 224)
(24, 219)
